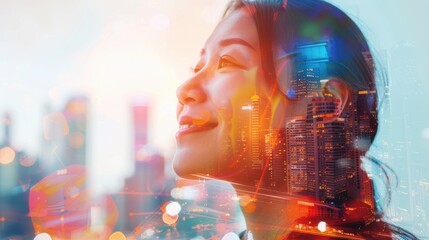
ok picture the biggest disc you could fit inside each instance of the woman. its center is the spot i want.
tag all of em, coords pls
(282, 104)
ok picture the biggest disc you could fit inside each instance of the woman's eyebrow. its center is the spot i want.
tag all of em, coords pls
(231, 41)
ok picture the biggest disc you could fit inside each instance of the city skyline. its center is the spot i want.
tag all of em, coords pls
(48, 54)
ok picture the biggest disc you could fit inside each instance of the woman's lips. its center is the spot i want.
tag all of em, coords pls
(185, 129)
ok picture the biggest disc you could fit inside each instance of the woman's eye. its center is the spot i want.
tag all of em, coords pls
(225, 61)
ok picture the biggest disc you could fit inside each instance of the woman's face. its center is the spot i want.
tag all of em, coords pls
(225, 78)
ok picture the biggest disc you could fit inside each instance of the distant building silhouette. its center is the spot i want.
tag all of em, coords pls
(76, 141)
(143, 192)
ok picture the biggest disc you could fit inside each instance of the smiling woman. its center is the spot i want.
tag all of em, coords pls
(221, 84)
(283, 105)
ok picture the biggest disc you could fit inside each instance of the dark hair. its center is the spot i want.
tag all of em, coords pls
(287, 22)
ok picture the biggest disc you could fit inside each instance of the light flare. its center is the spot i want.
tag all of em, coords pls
(7, 155)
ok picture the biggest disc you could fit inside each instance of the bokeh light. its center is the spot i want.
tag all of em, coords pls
(173, 208)
(169, 220)
(7, 155)
(27, 161)
(231, 236)
(176, 193)
(321, 226)
(185, 193)
(62, 206)
(148, 233)
(117, 236)
(42, 236)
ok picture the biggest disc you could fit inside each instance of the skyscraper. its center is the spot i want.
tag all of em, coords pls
(140, 123)
(296, 138)
(255, 134)
(326, 151)
(310, 67)
(75, 142)
(276, 160)
(142, 192)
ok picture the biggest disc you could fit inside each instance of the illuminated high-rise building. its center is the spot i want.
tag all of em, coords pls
(275, 155)
(255, 134)
(296, 141)
(243, 141)
(326, 169)
(366, 127)
(310, 66)
(253, 121)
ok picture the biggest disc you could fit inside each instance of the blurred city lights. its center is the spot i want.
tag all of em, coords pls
(185, 193)
(42, 236)
(176, 193)
(62, 171)
(231, 236)
(173, 208)
(321, 226)
(189, 193)
(147, 234)
(7, 155)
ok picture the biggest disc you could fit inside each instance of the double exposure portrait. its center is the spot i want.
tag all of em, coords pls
(297, 121)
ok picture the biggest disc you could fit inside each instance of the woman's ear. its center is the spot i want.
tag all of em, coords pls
(339, 89)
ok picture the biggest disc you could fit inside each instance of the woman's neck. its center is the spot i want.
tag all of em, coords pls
(268, 215)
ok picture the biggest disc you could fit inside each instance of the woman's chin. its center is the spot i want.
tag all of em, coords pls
(187, 164)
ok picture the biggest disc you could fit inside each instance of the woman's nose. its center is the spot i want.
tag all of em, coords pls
(190, 92)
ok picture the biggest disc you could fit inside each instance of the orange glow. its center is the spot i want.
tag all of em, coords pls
(244, 200)
(250, 207)
(62, 206)
(77, 107)
(169, 220)
(117, 236)
(7, 155)
(2, 219)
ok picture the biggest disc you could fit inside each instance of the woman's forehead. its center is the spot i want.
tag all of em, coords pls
(238, 25)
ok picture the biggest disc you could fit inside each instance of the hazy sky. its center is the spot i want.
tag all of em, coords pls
(113, 51)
